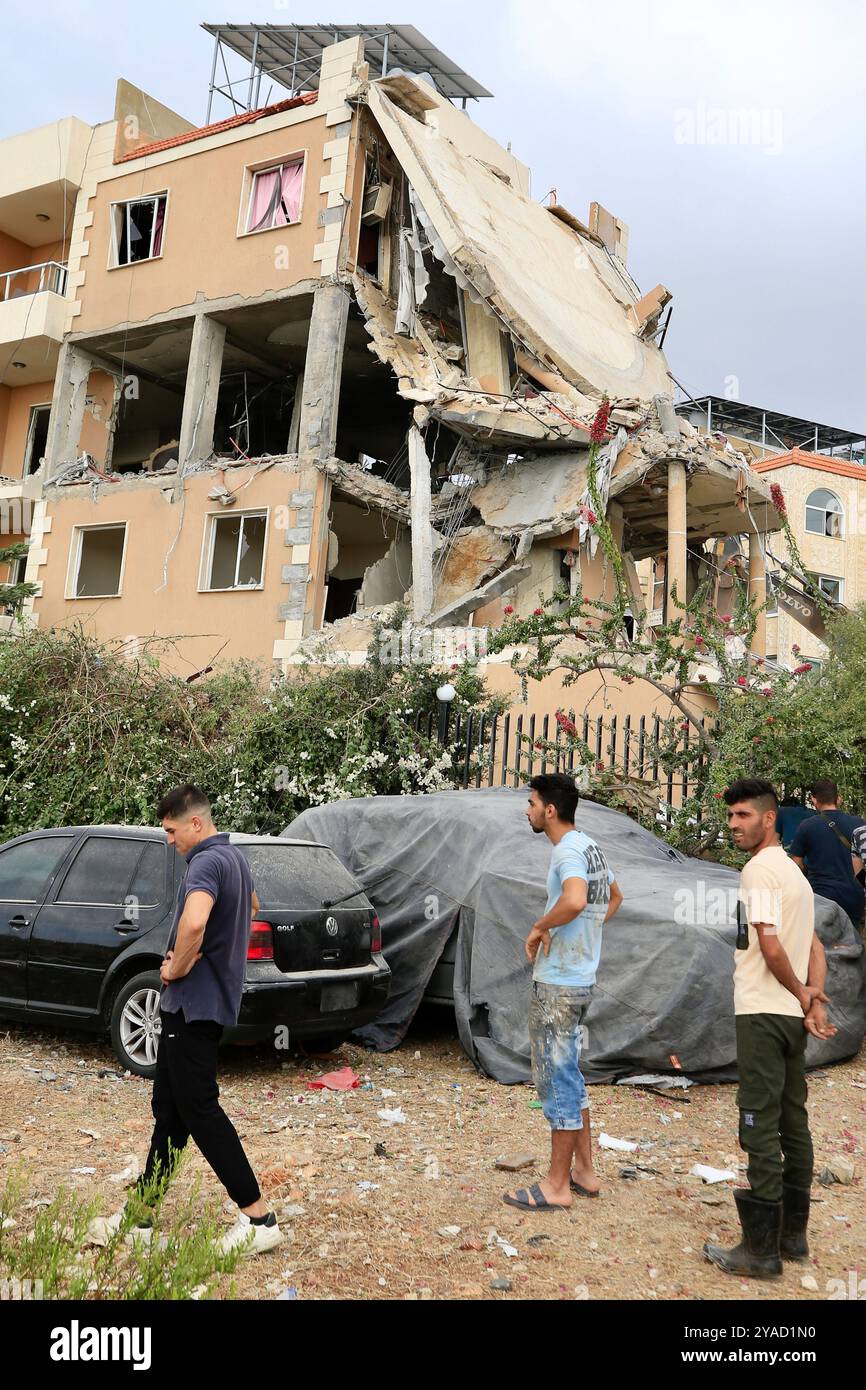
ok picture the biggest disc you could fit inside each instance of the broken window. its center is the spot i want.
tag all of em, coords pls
(97, 565)
(236, 551)
(828, 585)
(275, 196)
(824, 513)
(138, 229)
(37, 437)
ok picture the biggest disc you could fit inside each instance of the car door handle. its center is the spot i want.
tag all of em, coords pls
(124, 928)
(19, 923)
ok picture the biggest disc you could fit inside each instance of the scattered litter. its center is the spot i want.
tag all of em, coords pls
(639, 1170)
(342, 1080)
(366, 1186)
(82, 1170)
(380, 1151)
(494, 1238)
(809, 1281)
(7, 1223)
(703, 1170)
(665, 1119)
(386, 1093)
(287, 1295)
(512, 1163)
(449, 1230)
(130, 1172)
(658, 1081)
(198, 1292)
(294, 1209)
(278, 1127)
(535, 1241)
(392, 1117)
(367, 1086)
(534, 1104)
(91, 1133)
(500, 1284)
(605, 1141)
(48, 1075)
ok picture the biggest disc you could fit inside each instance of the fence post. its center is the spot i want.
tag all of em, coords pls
(626, 739)
(505, 735)
(518, 750)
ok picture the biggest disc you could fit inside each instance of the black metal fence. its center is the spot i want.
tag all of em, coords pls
(503, 750)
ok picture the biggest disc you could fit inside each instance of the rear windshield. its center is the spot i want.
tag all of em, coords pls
(298, 876)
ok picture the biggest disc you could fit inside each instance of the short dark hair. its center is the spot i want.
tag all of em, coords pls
(557, 789)
(185, 800)
(753, 789)
(824, 790)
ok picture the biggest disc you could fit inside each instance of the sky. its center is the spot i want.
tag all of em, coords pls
(729, 136)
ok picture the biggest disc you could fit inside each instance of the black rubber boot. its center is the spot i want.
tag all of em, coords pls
(795, 1219)
(757, 1255)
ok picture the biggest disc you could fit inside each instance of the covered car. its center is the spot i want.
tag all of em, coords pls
(468, 860)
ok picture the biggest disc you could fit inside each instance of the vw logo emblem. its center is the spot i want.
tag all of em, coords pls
(331, 926)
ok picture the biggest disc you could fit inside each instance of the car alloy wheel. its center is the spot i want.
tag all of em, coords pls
(140, 1026)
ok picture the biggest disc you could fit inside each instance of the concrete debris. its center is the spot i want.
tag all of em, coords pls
(473, 556)
(456, 613)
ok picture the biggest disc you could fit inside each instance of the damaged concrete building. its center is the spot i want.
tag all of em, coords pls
(330, 353)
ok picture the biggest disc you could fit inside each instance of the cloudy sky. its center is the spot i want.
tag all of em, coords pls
(728, 134)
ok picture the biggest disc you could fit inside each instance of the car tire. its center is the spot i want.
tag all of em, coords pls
(135, 1024)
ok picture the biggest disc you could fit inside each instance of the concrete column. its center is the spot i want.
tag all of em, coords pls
(320, 395)
(677, 557)
(67, 407)
(486, 348)
(202, 390)
(422, 536)
(758, 593)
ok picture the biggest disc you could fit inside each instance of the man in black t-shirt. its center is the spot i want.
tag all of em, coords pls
(822, 846)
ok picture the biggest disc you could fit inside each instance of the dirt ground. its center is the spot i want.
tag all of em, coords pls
(371, 1210)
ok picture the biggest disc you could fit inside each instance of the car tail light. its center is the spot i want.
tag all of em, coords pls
(261, 945)
(376, 941)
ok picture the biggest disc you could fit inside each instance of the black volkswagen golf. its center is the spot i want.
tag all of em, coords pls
(85, 915)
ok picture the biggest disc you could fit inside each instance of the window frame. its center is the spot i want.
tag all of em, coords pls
(825, 511)
(248, 184)
(74, 566)
(31, 436)
(816, 579)
(206, 568)
(124, 204)
(59, 901)
(70, 838)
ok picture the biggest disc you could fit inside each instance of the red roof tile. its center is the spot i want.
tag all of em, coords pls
(821, 462)
(245, 118)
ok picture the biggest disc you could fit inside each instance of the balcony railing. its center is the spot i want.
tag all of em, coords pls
(33, 279)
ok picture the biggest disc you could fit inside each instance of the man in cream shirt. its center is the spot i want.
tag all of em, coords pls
(778, 999)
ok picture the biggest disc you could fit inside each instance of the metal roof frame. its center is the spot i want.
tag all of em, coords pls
(291, 54)
(773, 428)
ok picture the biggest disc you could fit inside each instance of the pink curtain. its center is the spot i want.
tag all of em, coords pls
(290, 206)
(264, 189)
(276, 200)
(157, 234)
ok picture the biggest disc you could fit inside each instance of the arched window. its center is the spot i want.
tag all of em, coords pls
(823, 513)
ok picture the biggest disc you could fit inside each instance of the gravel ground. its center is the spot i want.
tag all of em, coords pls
(412, 1210)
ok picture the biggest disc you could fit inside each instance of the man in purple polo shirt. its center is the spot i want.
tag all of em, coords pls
(203, 976)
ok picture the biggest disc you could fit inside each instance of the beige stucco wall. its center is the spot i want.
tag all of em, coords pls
(842, 558)
(14, 421)
(245, 624)
(203, 253)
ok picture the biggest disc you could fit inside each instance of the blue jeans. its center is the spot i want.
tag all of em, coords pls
(555, 1036)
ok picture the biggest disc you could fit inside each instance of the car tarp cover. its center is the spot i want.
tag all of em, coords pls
(468, 859)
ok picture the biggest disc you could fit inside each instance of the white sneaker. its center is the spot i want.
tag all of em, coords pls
(103, 1228)
(263, 1237)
